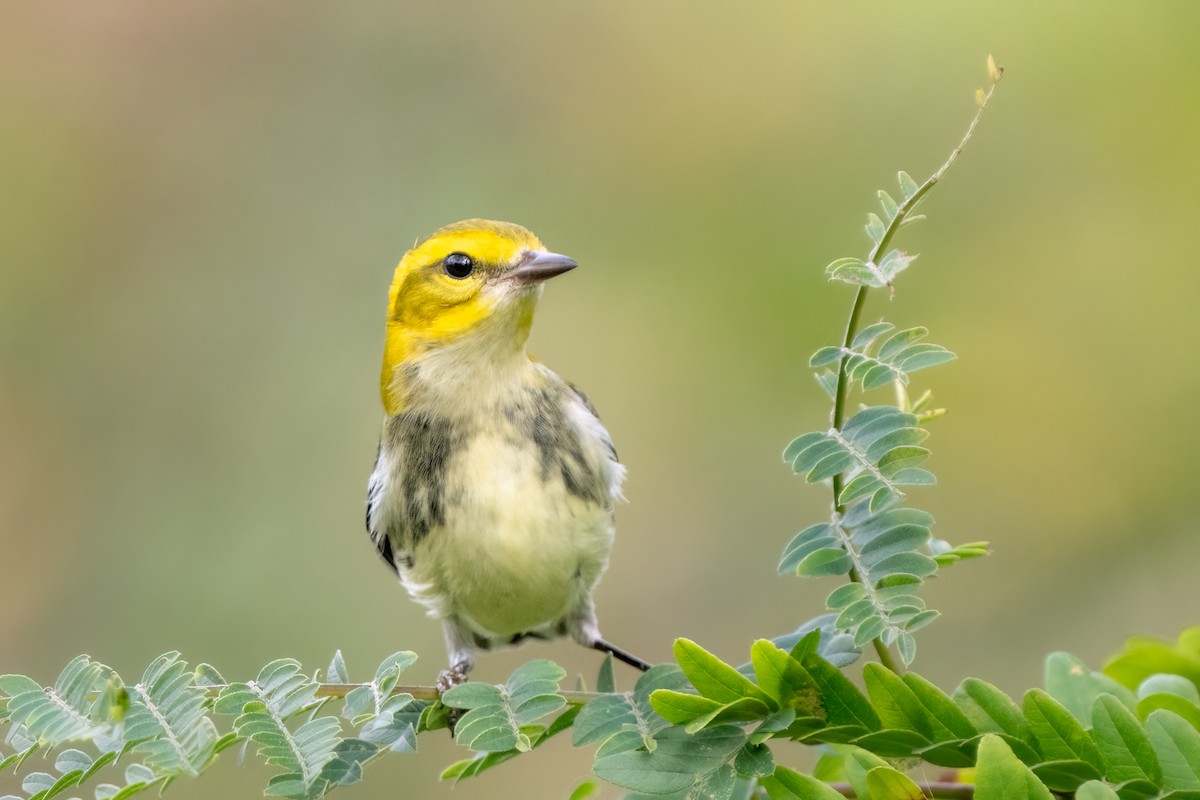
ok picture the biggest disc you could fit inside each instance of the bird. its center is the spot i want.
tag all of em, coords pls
(493, 491)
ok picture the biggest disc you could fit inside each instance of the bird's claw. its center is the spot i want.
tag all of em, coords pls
(450, 677)
(447, 679)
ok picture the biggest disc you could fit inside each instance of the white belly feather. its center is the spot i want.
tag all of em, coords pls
(518, 552)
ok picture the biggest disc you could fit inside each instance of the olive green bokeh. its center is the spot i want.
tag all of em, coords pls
(202, 204)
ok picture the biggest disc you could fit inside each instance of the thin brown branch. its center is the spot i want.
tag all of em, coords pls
(936, 789)
(430, 693)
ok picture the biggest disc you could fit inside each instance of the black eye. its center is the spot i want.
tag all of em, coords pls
(458, 265)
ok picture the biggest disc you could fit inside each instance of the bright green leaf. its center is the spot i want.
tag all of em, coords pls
(783, 678)
(885, 782)
(1096, 790)
(1177, 746)
(844, 703)
(787, 784)
(895, 702)
(947, 719)
(1123, 744)
(1160, 683)
(1072, 683)
(1059, 734)
(715, 679)
(992, 711)
(1065, 776)
(1000, 775)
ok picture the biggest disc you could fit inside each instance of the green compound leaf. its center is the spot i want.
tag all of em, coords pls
(264, 706)
(630, 713)
(1123, 745)
(891, 548)
(1000, 775)
(873, 452)
(677, 762)
(497, 713)
(1060, 736)
(167, 722)
(1177, 746)
(483, 761)
(70, 710)
(386, 720)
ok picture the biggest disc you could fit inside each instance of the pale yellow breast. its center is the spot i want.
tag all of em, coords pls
(517, 551)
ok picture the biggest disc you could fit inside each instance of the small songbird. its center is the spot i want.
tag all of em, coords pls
(493, 490)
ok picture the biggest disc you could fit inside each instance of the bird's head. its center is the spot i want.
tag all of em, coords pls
(472, 285)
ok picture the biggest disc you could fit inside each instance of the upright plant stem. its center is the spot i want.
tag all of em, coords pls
(841, 394)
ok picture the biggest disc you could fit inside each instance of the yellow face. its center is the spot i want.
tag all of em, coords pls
(439, 293)
(470, 277)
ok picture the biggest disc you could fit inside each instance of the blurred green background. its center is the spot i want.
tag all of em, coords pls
(202, 205)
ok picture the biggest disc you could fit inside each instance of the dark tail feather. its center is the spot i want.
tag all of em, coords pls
(621, 655)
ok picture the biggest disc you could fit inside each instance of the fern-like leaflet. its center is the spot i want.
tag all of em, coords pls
(67, 711)
(871, 458)
(264, 706)
(897, 357)
(496, 714)
(877, 452)
(166, 722)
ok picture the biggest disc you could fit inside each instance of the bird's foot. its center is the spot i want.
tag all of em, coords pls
(450, 677)
(447, 679)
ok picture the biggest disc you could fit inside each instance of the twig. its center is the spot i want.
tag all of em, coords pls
(944, 789)
(339, 690)
(860, 298)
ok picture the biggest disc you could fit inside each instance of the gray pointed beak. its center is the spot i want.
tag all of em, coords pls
(540, 265)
